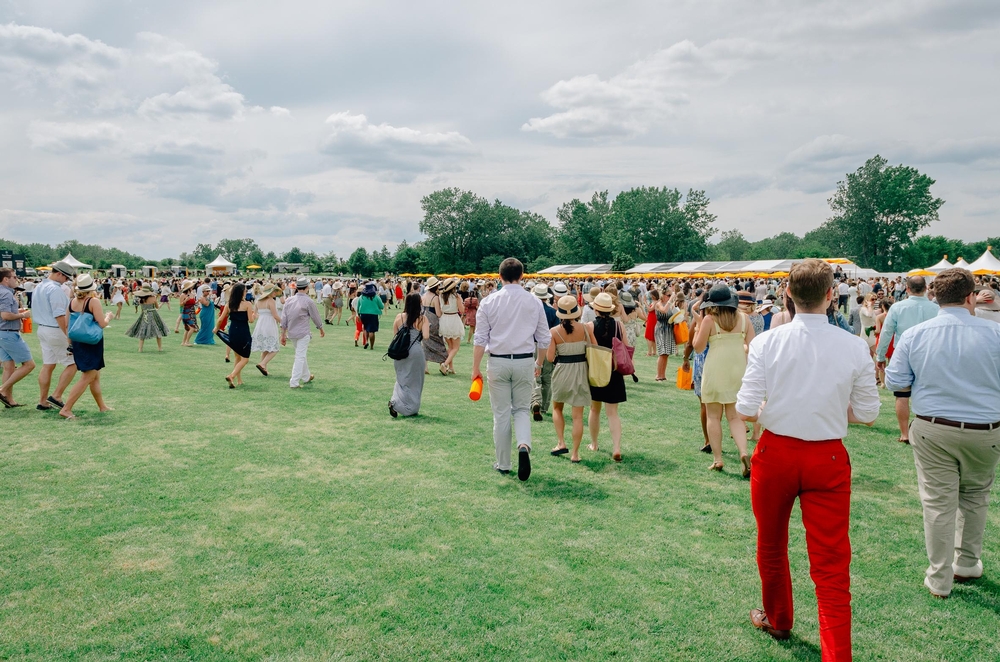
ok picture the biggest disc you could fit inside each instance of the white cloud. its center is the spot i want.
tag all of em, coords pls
(394, 153)
(646, 92)
(278, 111)
(66, 137)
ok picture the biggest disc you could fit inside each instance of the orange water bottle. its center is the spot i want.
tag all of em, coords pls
(476, 390)
(26, 325)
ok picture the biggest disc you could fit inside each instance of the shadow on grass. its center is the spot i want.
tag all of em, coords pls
(982, 593)
(801, 649)
(564, 489)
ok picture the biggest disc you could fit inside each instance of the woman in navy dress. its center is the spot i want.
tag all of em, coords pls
(89, 358)
(240, 313)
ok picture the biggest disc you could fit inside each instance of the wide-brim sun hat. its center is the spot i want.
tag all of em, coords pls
(432, 283)
(187, 285)
(145, 292)
(541, 291)
(268, 291)
(603, 303)
(720, 296)
(568, 309)
(560, 289)
(626, 298)
(448, 285)
(676, 317)
(592, 294)
(85, 283)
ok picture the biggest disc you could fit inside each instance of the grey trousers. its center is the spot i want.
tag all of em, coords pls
(541, 395)
(511, 382)
(955, 471)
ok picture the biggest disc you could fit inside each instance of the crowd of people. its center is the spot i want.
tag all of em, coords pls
(797, 359)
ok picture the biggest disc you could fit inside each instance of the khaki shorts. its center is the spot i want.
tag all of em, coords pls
(54, 345)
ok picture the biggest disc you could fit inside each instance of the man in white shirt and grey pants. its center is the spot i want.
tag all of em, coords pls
(510, 324)
(809, 403)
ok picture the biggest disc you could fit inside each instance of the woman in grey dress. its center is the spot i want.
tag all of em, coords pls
(410, 371)
(435, 351)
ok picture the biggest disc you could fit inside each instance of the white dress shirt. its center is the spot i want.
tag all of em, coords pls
(809, 371)
(512, 321)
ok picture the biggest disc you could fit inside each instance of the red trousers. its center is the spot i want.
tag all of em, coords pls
(358, 327)
(819, 474)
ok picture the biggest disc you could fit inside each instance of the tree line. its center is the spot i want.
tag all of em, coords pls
(877, 213)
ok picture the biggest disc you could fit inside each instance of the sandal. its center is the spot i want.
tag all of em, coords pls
(592, 447)
(262, 370)
(745, 461)
(904, 441)
(559, 451)
(617, 457)
(715, 466)
(231, 384)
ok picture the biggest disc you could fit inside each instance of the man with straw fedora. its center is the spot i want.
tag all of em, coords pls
(50, 311)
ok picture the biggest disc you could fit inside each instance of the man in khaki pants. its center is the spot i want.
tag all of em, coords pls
(951, 363)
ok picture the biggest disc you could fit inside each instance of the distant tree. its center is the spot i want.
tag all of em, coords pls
(652, 225)
(491, 263)
(622, 261)
(359, 263)
(539, 263)
(238, 251)
(580, 235)
(733, 246)
(293, 256)
(406, 259)
(878, 210)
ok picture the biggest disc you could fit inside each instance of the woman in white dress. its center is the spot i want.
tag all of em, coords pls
(118, 299)
(451, 326)
(265, 333)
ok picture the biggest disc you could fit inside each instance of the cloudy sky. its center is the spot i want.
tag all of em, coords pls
(153, 126)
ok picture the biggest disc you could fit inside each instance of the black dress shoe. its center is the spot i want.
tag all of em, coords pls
(392, 411)
(523, 464)
(536, 412)
(503, 472)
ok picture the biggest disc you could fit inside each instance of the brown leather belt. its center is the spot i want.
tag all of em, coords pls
(937, 420)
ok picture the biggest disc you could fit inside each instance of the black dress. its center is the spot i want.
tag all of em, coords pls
(239, 338)
(605, 330)
(88, 357)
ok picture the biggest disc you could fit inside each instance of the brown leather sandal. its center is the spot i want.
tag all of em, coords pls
(759, 620)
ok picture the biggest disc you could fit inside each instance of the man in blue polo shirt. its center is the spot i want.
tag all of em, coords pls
(13, 349)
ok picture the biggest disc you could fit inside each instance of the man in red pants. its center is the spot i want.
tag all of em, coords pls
(809, 402)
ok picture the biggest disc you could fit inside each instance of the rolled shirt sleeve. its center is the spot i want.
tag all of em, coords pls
(754, 389)
(482, 336)
(542, 335)
(314, 314)
(899, 373)
(864, 392)
(885, 335)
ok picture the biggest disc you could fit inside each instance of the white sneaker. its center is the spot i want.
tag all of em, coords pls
(963, 574)
(927, 583)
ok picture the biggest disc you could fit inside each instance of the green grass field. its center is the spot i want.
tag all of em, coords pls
(197, 522)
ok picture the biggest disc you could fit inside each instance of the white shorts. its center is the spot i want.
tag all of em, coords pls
(54, 345)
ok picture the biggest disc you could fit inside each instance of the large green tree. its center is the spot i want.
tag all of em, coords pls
(580, 236)
(878, 210)
(239, 251)
(660, 225)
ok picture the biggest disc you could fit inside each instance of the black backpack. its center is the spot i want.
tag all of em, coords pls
(399, 348)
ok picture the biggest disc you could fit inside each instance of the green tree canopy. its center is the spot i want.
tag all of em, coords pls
(652, 225)
(878, 210)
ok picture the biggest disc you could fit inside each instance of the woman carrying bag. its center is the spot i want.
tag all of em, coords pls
(569, 377)
(604, 330)
(86, 333)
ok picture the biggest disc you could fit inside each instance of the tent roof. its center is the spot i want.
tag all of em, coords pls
(941, 266)
(73, 262)
(986, 261)
(220, 262)
(962, 264)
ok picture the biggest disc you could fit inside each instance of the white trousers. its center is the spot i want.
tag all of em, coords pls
(511, 382)
(300, 369)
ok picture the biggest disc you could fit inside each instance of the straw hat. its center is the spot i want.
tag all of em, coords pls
(676, 317)
(627, 300)
(187, 285)
(541, 291)
(603, 303)
(432, 283)
(268, 291)
(336, 285)
(567, 308)
(145, 292)
(448, 286)
(64, 268)
(84, 283)
(559, 289)
(592, 294)
(302, 283)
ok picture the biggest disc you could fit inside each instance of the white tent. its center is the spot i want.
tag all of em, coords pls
(75, 263)
(220, 265)
(986, 262)
(941, 266)
(962, 264)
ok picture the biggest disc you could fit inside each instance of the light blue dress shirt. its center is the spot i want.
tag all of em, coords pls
(48, 302)
(902, 316)
(952, 365)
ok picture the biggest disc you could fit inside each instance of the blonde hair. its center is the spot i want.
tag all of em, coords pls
(726, 318)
